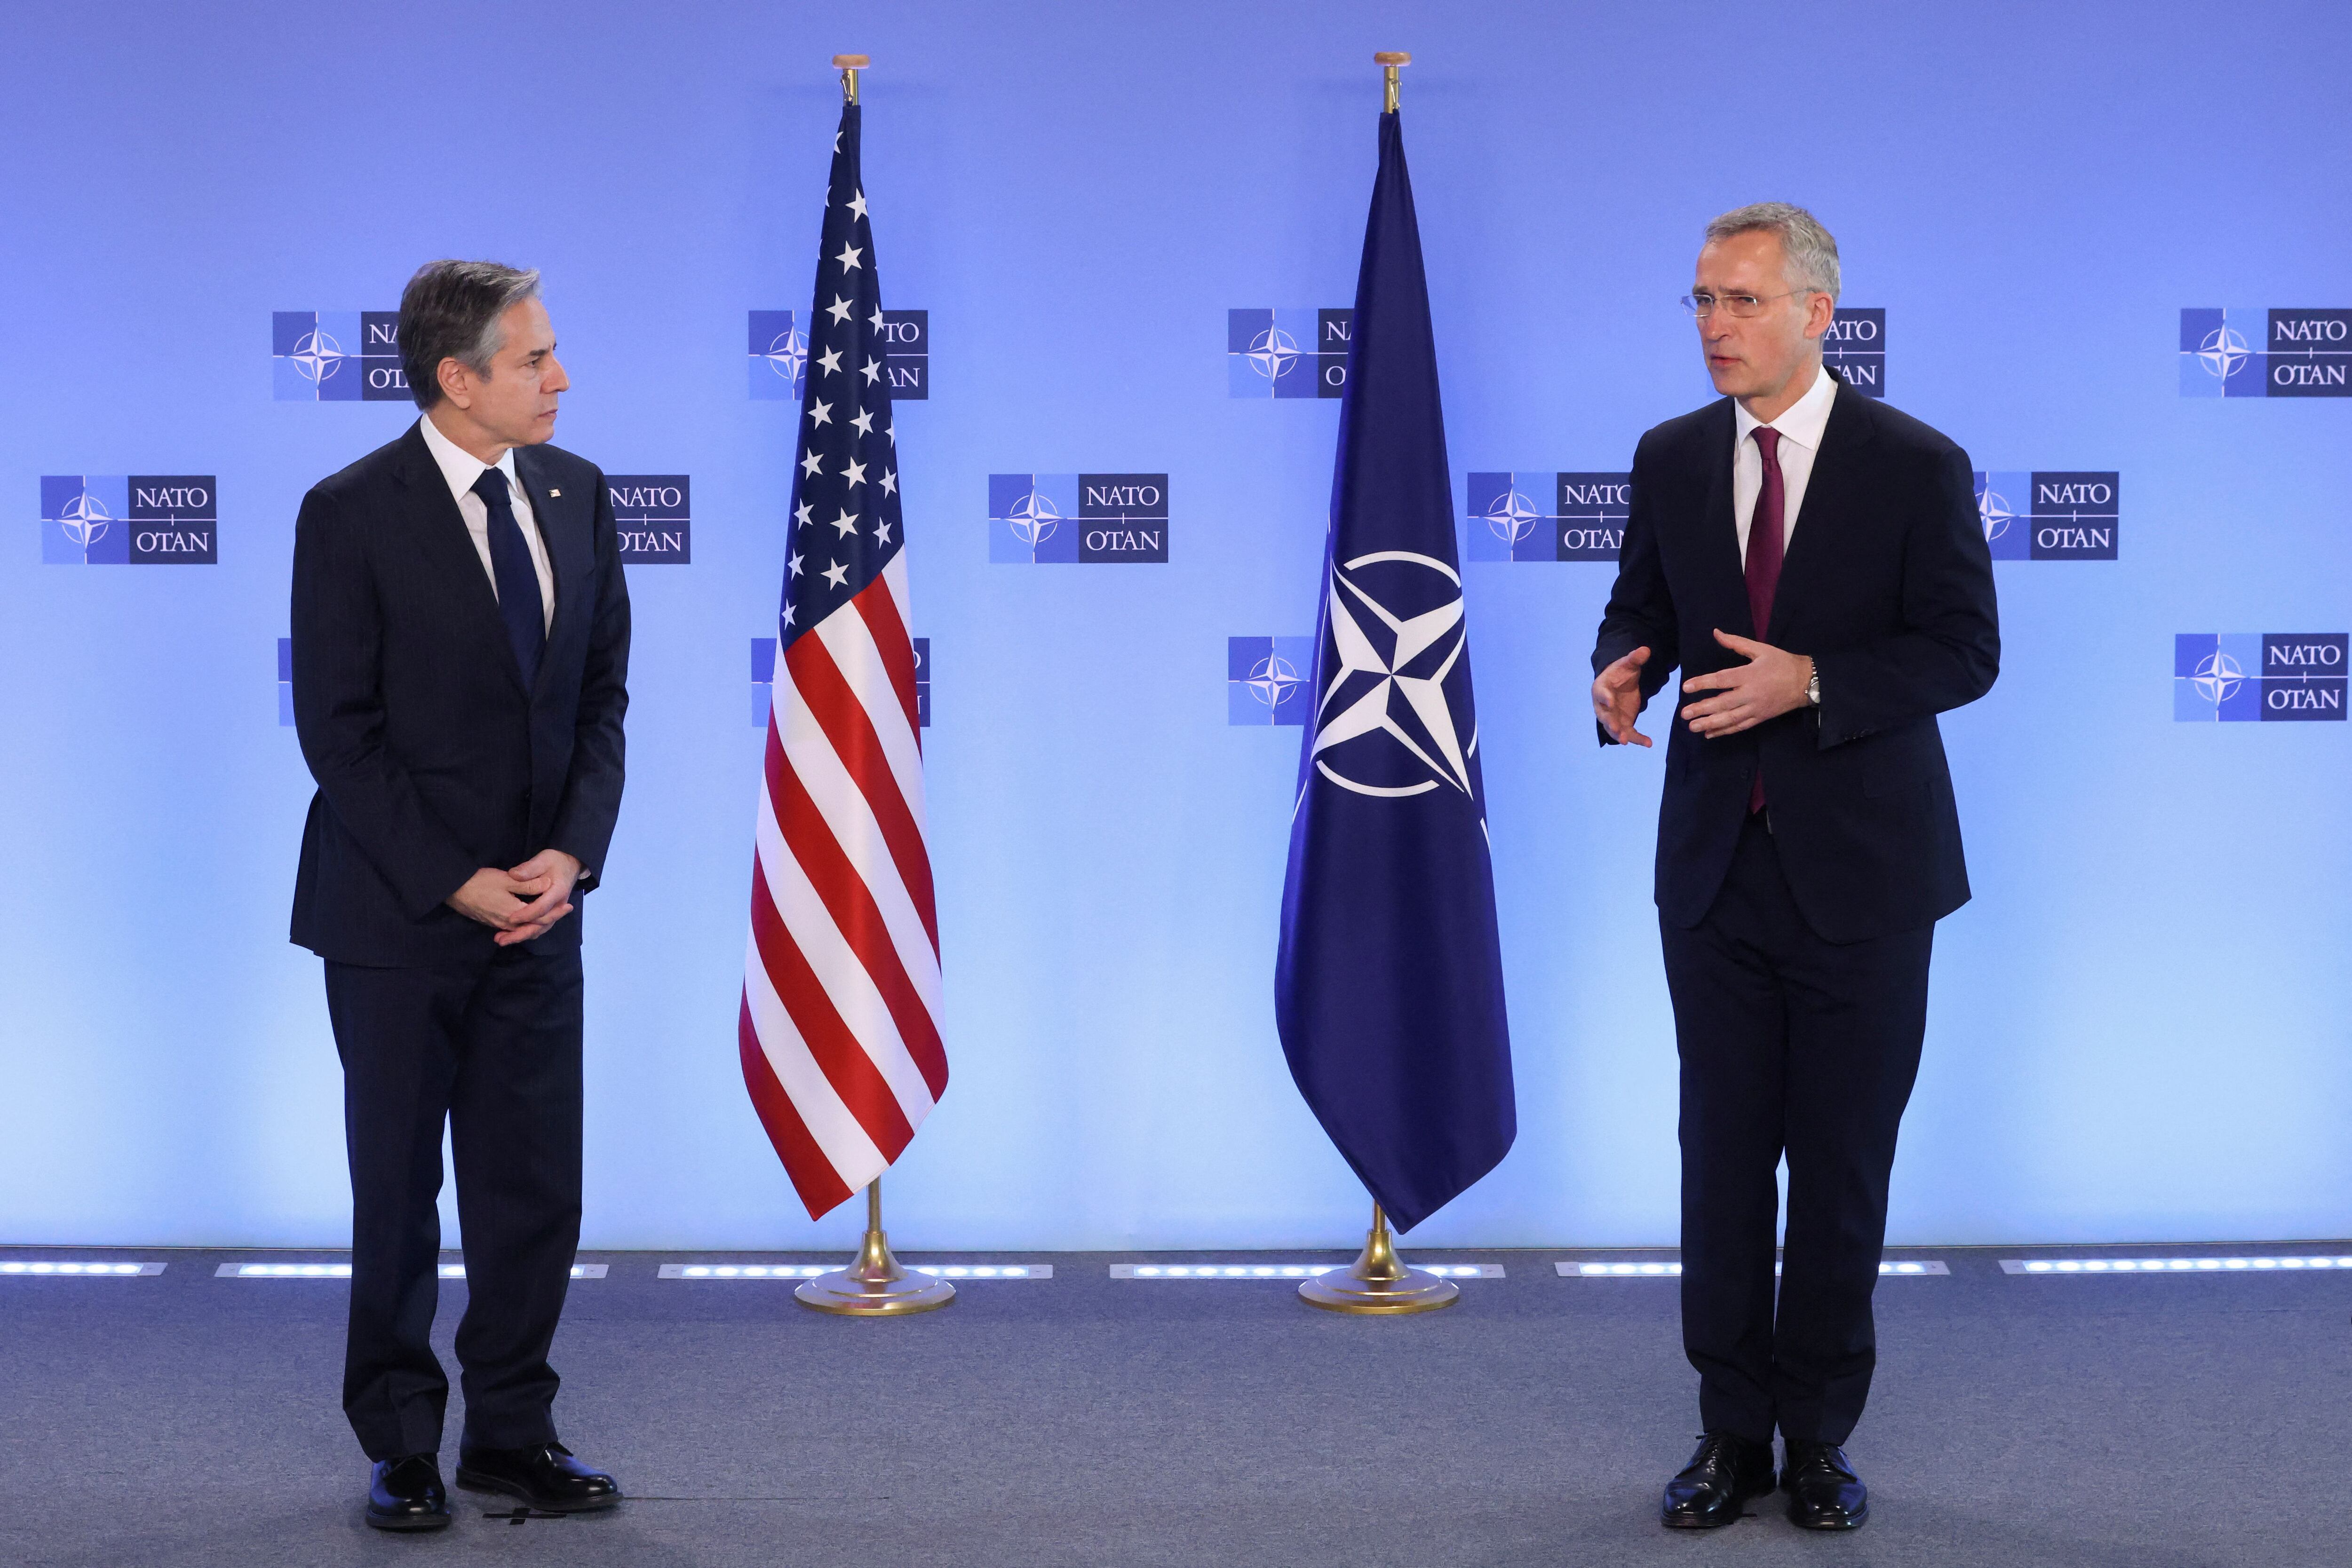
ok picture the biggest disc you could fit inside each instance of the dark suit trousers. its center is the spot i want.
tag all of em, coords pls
(494, 1049)
(1791, 1045)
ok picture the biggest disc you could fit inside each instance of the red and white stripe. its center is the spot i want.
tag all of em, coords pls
(841, 1024)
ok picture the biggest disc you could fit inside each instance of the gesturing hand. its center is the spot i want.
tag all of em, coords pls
(1617, 697)
(1771, 684)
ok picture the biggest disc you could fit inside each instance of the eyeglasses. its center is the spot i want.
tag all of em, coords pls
(1701, 304)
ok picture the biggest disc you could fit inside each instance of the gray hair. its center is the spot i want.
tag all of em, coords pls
(450, 310)
(1810, 255)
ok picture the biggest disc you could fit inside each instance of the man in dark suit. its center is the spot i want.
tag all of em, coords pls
(461, 649)
(1814, 561)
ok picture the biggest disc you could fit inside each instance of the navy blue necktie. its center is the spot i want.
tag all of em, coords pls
(519, 605)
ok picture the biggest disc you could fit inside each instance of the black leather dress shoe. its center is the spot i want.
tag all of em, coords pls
(1724, 1473)
(1823, 1491)
(406, 1494)
(545, 1475)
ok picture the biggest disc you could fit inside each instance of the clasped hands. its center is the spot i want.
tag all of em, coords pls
(521, 904)
(1772, 682)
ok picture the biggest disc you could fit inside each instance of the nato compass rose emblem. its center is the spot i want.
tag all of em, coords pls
(317, 356)
(84, 521)
(1993, 510)
(1272, 353)
(1385, 725)
(1034, 519)
(1513, 518)
(2222, 351)
(788, 355)
(2218, 677)
(1272, 680)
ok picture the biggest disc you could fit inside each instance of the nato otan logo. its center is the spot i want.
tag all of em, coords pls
(2059, 515)
(1267, 680)
(780, 355)
(2258, 677)
(1093, 519)
(336, 356)
(653, 514)
(1855, 346)
(2245, 352)
(763, 680)
(1292, 351)
(129, 519)
(1546, 515)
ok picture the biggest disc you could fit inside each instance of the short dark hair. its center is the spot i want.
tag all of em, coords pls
(450, 310)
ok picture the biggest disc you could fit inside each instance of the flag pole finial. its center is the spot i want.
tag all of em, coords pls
(875, 1286)
(1388, 60)
(1379, 1284)
(849, 66)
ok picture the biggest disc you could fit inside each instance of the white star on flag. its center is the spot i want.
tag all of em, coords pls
(849, 257)
(846, 522)
(836, 574)
(839, 310)
(1424, 696)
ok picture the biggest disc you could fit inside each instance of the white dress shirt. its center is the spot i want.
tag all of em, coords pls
(1800, 426)
(462, 468)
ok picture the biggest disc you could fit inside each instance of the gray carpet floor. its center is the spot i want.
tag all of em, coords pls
(2124, 1421)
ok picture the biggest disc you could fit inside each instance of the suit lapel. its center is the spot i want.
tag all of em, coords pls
(443, 538)
(1718, 524)
(569, 552)
(1828, 509)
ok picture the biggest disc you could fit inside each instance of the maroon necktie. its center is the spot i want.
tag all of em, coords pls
(1764, 530)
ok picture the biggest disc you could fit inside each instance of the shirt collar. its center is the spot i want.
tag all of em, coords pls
(1802, 422)
(460, 467)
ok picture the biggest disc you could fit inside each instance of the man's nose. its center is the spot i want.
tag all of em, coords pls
(557, 380)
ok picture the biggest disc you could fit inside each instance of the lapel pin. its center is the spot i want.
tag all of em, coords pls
(553, 493)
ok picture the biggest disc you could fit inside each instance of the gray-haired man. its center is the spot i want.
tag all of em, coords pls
(461, 646)
(1808, 840)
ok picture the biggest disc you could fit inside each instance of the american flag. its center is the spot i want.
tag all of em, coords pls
(840, 1021)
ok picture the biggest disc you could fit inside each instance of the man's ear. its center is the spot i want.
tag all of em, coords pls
(1819, 311)
(456, 384)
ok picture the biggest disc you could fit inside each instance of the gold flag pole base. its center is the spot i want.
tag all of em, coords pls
(875, 1286)
(1378, 1283)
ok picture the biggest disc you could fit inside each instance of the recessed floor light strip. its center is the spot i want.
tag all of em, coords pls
(77, 1268)
(2276, 1263)
(343, 1271)
(1284, 1271)
(1888, 1269)
(810, 1270)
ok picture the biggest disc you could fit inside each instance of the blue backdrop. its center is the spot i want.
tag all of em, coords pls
(2138, 1026)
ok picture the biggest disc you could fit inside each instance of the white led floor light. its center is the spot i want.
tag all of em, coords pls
(2282, 1263)
(343, 1271)
(1887, 1270)
(83, 1270)
(1285, 1271)
(813, 1270)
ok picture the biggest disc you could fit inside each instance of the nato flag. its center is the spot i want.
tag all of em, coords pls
(1389, 988)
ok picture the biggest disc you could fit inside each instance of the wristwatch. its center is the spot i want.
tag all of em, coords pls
(1813, 687)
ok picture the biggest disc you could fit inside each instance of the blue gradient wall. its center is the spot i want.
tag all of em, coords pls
(2138, 1028)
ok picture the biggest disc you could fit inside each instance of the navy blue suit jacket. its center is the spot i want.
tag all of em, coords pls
(433, 761)
(1888, 585)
